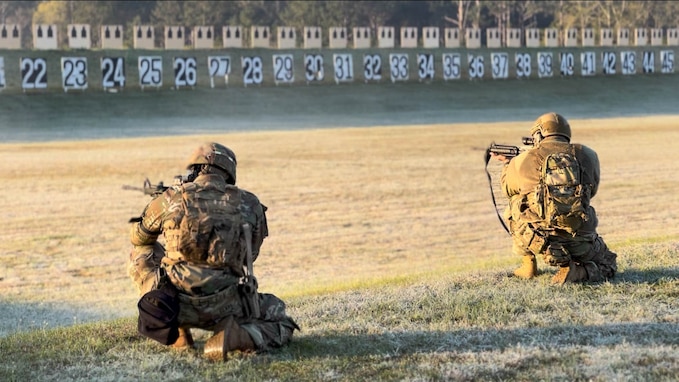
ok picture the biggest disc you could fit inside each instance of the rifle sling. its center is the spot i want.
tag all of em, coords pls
(492, 195)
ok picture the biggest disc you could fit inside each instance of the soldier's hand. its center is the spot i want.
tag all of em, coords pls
(499, 157)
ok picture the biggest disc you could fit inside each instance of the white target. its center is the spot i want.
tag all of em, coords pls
(112, 72)
(545, 64)
(425, 66)
(283, 69)
(523, 65)
(74, 73)
(185, 74)
(313, 67)
(344, 67)
(587, 64)
(252, 70)
(452, 67)
(398, 67)
(33, 73)
(150, 71)
(372, 67)
(648, 63)
(499, 65)
(475, 66)
(567, 65)
(608, 62)
(666, 61)
(628, 62)
(219, 67)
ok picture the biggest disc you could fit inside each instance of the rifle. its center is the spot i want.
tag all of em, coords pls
(148, 188)
(155, 190)
(508, 152)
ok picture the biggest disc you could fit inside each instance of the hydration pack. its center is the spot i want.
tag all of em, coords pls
(208, 229)
(561, 199)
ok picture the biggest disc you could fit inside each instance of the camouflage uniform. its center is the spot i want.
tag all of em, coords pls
(590, 259)
(208, 293)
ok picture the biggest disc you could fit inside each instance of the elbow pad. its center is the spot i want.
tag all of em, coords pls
(139, 235)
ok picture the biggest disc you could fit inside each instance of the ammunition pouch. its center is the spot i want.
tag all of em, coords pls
(249, 297)
(557, 255)
(205, 311)
(532, 239)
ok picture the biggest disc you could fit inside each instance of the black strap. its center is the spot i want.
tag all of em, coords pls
(492, 195)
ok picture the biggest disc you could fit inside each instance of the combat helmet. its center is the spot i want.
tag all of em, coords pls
(216, 155)
(551, 124)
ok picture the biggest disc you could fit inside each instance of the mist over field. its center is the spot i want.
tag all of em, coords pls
(132, 113)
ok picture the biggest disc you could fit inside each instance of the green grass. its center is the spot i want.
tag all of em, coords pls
(476, 326)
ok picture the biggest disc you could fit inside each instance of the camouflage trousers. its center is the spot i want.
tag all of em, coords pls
(272, 328)
(594, 255)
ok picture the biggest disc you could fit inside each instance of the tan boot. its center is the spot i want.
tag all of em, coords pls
(561, 275)
(528, 268)
(185, 339)
(572, 273)
(230, 336)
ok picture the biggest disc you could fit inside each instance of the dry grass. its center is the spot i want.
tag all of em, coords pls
(347, 207)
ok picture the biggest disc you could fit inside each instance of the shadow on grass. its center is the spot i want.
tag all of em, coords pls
(21, 317)
(481, 340)
(646, 276)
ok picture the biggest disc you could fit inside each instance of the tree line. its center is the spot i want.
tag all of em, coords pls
(560, 14)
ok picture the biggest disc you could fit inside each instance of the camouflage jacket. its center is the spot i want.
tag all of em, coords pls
(159, 214)
(522, 175)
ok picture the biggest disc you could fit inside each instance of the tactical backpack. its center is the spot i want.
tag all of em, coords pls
(561, 199)
(208, 229)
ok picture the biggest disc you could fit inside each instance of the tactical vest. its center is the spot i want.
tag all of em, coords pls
(560, 199)
(207, 228)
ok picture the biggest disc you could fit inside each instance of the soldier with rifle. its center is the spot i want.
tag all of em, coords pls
(549, 187)
(203, 276)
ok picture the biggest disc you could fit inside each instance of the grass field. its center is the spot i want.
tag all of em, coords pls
(384, 244)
